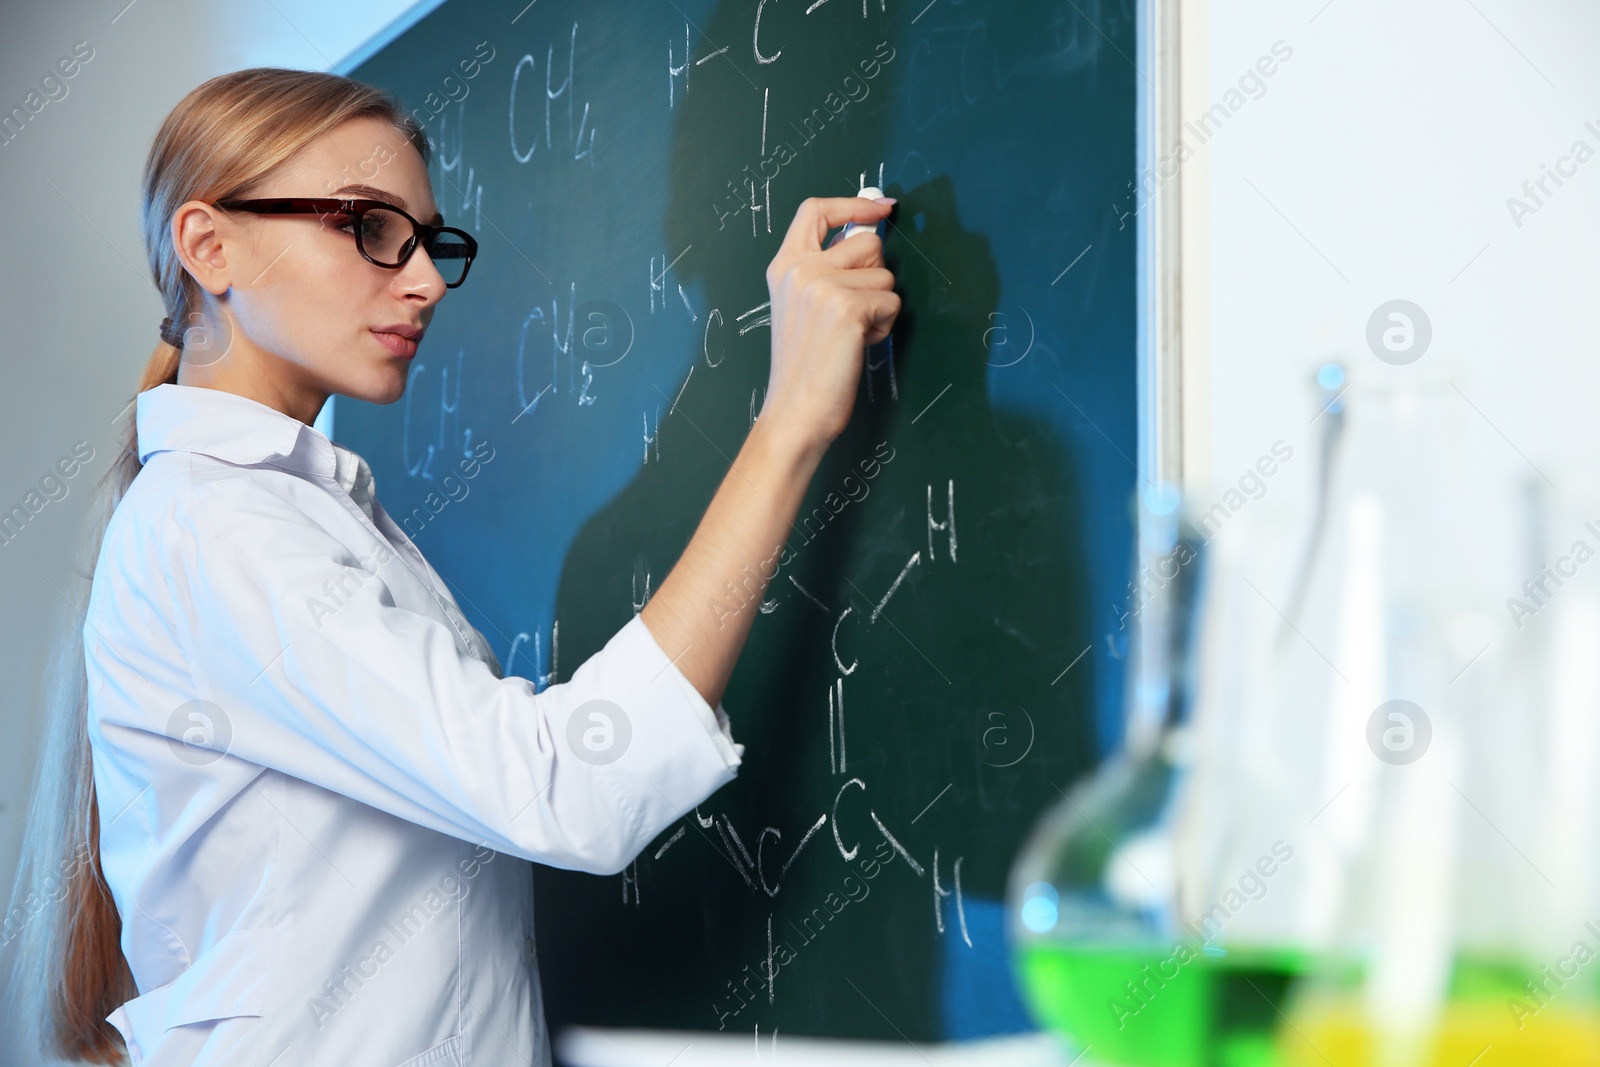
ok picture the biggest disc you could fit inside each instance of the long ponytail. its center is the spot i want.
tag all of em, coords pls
(62, 929)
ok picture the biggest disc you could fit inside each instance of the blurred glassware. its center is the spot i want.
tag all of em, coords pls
(1372, 842)
(1101, 950)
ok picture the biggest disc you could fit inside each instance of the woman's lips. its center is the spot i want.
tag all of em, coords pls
(396, 344)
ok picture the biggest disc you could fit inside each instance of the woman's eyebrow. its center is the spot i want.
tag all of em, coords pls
(373, 193)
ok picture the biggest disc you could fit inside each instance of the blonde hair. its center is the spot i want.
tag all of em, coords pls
(222, 140)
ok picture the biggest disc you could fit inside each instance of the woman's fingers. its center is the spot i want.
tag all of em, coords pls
(866, 278)
(857, 250)
(882, 308)
(819, 214)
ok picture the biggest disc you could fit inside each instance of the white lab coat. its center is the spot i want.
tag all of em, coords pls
(317, 793)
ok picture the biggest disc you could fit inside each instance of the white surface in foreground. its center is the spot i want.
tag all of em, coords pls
(592, 1047)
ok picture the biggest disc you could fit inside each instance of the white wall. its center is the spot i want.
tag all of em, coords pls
(80, 313)
(1377, 165)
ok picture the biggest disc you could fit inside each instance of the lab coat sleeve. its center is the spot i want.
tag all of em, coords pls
(322, 676)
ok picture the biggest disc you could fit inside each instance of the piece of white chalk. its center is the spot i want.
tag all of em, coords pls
(871, 192)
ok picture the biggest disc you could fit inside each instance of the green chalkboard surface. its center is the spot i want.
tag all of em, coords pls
(941, 654)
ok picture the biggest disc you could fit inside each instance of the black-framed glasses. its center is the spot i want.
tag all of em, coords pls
(385, 235)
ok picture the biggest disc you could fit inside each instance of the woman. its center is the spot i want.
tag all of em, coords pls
(289, 789)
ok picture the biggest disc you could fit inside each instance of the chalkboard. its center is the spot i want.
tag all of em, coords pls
(942, 654)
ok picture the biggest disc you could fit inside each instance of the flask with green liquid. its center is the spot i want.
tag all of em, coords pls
(1102, 951)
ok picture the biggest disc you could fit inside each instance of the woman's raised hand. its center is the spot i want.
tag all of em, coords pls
(827, 305)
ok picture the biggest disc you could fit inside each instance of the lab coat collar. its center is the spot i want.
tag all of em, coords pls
(229, 427)
(245, 432)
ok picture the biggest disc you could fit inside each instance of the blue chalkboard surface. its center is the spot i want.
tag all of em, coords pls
(939, 654)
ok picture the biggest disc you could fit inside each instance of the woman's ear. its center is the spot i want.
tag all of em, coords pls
(203, 237)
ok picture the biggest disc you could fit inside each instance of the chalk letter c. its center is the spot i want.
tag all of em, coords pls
(755, 39)
(851, 854)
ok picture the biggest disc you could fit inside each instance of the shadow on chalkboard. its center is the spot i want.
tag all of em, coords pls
(958, 723)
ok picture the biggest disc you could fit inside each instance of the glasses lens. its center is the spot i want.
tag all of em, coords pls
(384, 234)
(450, 256)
